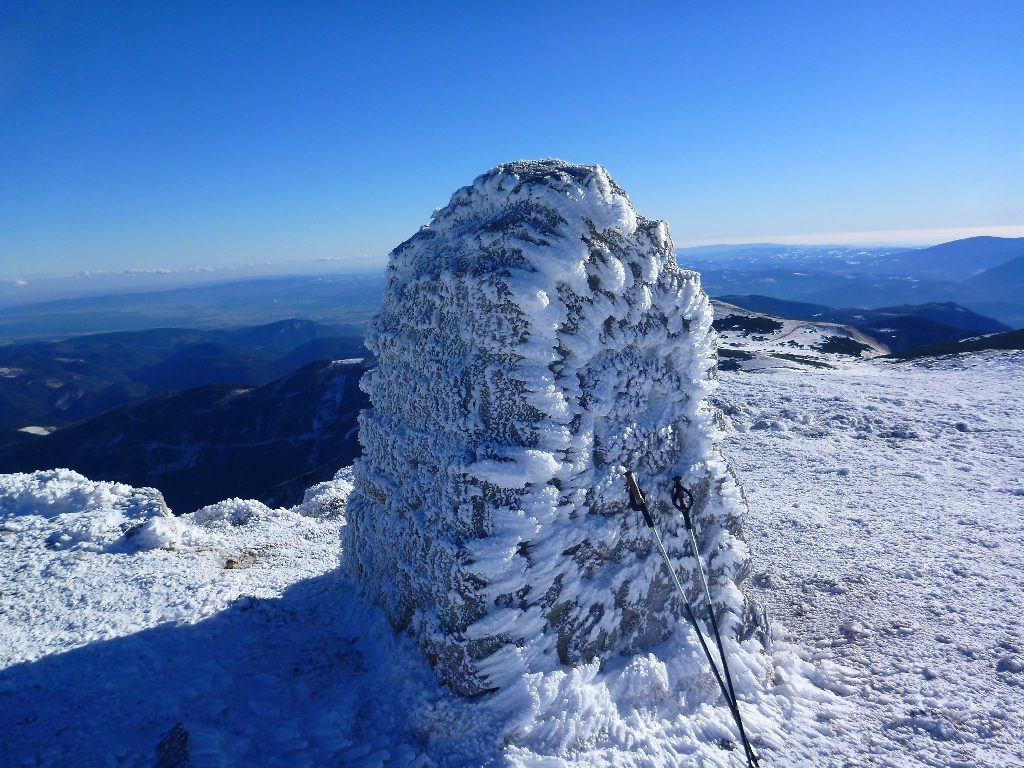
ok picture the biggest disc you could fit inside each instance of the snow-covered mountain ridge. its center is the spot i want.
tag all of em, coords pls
(886, 508)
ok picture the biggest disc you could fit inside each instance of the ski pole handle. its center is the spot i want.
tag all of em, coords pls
(682, 500)
(637, 502)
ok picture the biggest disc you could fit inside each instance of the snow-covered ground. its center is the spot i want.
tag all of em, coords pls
(886, 528)
(245, 645)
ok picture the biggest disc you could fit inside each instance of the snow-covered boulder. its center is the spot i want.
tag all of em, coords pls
(536, 340)
(72, 512)
(327, 500)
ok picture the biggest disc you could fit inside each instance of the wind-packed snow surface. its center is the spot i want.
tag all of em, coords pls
(887, 515)
(536, 341)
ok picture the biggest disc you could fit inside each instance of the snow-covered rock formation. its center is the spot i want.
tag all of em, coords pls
(536, 341)
(72, 513)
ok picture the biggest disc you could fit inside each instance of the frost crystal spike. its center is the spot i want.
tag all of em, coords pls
(535, 341)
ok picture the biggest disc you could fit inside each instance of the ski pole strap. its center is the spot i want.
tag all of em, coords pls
(637, 502)
(682, 500)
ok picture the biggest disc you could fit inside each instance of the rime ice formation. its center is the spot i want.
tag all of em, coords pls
(536, 340)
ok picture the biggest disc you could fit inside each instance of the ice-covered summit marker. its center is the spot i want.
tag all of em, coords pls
(537, 340)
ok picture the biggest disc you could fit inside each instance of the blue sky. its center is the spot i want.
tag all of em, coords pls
(144, 135)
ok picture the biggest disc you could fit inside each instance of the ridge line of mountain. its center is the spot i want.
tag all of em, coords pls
(63, 382)
(899, 328)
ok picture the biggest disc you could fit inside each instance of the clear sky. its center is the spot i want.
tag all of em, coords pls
(215, 133)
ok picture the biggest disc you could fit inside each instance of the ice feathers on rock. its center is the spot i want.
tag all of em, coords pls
(535, 341)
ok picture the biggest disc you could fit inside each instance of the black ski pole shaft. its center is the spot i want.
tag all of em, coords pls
(639, 503)
(721, 648)
(682, 499)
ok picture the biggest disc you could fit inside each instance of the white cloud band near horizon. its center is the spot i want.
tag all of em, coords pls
(879, 237)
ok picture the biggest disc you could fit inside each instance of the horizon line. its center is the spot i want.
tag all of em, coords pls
(901, 237)
(905, 237)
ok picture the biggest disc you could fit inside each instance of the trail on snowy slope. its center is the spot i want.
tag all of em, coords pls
(886, 526)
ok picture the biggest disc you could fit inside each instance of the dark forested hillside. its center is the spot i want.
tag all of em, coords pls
(55, 383)
(217, 441)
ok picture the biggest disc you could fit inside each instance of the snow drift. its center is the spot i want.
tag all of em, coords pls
(536, 340)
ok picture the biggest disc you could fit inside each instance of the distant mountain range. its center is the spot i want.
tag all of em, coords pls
(998, 279)
(216, 441)
(58, 383)
(260, 411)
(263, 412)
(344, 301)
(984, 274)
(899, 328)
(954, 261)
(1006, 341)
(949, 314)
(958, 260)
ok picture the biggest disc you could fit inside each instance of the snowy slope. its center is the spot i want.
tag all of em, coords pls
(752, 341)
(887, 524)
(886, 507)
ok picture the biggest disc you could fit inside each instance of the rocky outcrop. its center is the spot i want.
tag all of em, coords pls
(536, 340)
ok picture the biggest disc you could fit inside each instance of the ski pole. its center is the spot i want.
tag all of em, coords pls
(638, 503)
(682, 500)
